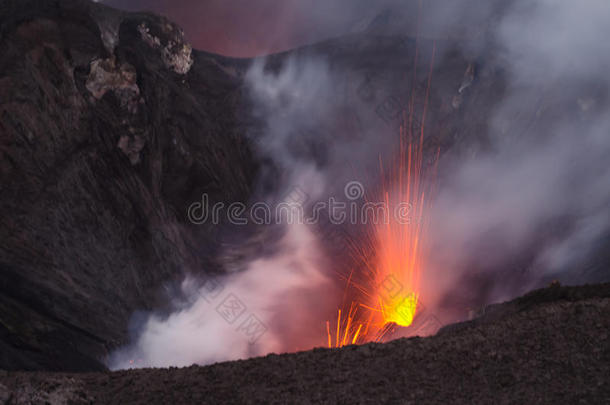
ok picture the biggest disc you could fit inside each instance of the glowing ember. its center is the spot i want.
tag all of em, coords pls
(385, 293)
(399, 241)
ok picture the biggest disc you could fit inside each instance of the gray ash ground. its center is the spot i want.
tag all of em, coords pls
(551, 346)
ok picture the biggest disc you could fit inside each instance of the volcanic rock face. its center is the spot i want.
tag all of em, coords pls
(105, 141)
(176, 54)
(106, 76)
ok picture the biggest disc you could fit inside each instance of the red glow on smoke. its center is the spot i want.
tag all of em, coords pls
(240, 28)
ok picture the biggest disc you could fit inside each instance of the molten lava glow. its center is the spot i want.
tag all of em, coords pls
(384, 292)
(399, 241)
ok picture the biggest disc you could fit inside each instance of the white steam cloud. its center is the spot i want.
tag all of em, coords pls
(234, 316)
(541, 190)
(279, 297)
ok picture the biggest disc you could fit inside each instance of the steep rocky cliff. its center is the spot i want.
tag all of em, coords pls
(110, 127)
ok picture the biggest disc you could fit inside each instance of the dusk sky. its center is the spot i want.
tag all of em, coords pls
(254, 27)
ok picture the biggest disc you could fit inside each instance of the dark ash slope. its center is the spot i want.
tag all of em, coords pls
(551, 346)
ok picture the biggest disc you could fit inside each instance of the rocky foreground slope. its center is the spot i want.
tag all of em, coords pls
(551, 346)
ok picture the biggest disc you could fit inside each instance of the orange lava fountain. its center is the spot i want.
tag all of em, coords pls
(387, 291)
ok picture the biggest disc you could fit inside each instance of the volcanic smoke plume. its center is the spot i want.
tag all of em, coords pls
(285, 291)
(204, 330)
(537, 190)
(523, 202)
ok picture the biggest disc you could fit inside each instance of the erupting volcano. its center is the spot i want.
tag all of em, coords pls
(391, 256)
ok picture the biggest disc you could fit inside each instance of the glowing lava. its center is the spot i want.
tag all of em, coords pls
(385, 291)
(399, 241)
